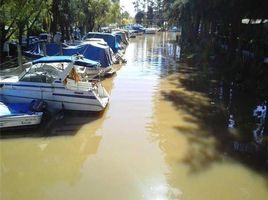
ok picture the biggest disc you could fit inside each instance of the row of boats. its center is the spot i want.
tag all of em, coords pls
(61, 82)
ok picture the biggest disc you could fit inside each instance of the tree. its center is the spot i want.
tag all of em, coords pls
(204, 20)
(114, 13)
(16, 15)
(19, 17)
(151, 9)
(139, 17)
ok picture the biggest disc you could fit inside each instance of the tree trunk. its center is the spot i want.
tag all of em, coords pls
(233, 41)
(21, 29)
(55, 13)
(2, 51)
(28, 34)
(62, 33)
(3, 39)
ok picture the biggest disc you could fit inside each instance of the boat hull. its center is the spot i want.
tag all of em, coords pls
(57, 97)
(21, 120)
(150, 31)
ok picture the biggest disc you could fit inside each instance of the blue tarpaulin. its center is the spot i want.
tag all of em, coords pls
(90, 50)
(53, 49)
(14, 109)
(77, 60)
(93, 51)
(34, 51)
(110, 39)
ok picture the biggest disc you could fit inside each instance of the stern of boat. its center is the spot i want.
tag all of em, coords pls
(102, 94)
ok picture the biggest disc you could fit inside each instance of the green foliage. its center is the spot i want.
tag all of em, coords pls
(213, 31)
(56, 15)
(88, 15)
(19, 17)
(16, 17)
(149, 12)
(204, 19)
(17, 14)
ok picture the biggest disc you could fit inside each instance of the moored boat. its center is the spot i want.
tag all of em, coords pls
(150, 30)
(96, 50)
(110, 39)
(61, 81)
(20, 114)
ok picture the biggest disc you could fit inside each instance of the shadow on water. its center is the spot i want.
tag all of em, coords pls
(230, 123)
(62, 123)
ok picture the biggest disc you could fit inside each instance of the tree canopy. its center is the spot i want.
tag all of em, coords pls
(25, 17)
(204, 19)
(149, 12)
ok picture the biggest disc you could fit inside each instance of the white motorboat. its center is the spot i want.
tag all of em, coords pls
(150, 30)
(20, 114)
(61, 81)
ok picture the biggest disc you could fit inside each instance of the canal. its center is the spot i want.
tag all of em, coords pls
(171, 131)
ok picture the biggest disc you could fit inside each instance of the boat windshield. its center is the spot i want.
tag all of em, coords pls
(42, 73)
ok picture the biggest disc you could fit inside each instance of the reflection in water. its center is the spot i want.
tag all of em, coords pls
(171, 131)
(203, 151)
(259, 113)
(31, 166)
(231, 123)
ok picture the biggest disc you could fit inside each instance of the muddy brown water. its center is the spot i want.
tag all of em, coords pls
(169, 132)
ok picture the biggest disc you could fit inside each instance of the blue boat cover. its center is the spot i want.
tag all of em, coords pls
(138, 27)
(107, 37)
(92, 51)
(53, 49)
(118, 37)
(122, 36)
(14, 109)
(77, 61)
(34, 51)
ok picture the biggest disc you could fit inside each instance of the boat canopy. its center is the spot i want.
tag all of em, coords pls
(107, 37)
(93, 51)
(123, 36)
(14, 109)
(68, 59)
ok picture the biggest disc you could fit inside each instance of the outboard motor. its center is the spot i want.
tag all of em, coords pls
(38, 105)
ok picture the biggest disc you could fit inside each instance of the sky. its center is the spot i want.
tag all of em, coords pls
(127, 5)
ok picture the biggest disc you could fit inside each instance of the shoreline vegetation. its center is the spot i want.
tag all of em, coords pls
(21, 19)
(229, 36)
(248, 74)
